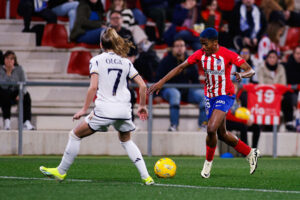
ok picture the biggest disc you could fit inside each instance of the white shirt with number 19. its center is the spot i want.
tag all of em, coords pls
(113, 95)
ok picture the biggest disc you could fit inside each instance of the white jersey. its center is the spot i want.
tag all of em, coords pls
(113, 96)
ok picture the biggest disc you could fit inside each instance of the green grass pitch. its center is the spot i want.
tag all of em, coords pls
(104, 177)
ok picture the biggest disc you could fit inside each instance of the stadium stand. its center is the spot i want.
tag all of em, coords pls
(56, 35)
(79, 62)
(292, 39)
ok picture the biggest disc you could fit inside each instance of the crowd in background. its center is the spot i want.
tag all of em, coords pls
(252, 28)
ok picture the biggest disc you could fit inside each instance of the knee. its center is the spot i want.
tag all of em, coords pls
(124, 137)
(211, 129)
(72, 13)
(175, 97)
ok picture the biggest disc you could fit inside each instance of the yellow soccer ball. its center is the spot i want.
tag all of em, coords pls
(242, 113)
(165, 168)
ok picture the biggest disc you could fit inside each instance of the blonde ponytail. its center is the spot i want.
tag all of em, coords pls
(110, 39)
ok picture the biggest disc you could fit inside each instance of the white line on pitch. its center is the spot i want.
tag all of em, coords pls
(42, 179)
(228, 188)
(165, 185)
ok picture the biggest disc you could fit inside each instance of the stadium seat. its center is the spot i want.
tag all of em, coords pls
(13, 8)
(226, 5)
(55, 35)
(292, 39)
(63, 18)
(79, 63)
(2, 9)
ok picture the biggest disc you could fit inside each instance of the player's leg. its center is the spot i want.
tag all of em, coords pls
(214, 123)
(124, 128)
(197, 96)
(71, 151)
(239, 146)
(173, 96)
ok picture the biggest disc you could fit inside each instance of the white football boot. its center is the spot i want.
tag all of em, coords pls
(205, 173)
(252, 159)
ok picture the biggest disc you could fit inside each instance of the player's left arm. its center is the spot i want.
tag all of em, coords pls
(248, 72)
(142, 108)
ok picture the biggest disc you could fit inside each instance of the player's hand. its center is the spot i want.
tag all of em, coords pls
(142, 113)
(237, 75)
(155, 87)
(79, 114)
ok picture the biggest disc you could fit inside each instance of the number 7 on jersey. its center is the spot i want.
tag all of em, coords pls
(117, 79)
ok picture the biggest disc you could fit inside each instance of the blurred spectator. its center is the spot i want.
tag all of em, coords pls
(247, 26)
(1, 58)
(88, 23)
(292, 67)
(211, 17)
(270, 41)
(65, 8)
(184, 18)
(147, 62)
(292, 70)
(241, 125)
(116, 22)
(175, 95)
(272, 72)
(139, 36)
(29, 8)
(139, 16)
(159, 11)
(12, 72)
(250, 59)
(281, 10)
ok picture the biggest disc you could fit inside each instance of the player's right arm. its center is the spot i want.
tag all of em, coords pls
(174, 72)
(89, 97)
(142, 109)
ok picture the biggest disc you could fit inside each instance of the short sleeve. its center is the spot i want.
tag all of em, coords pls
(132, 71)
(195, 57)
(94, 69)
(236, 59)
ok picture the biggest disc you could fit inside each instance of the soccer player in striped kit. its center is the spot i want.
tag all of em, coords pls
(216, 62)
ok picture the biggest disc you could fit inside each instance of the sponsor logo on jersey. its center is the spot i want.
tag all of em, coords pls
(213, 72)
(220, 102)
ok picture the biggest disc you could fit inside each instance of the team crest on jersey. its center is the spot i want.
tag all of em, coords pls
(207, 104)
(240, 58)
(219, 62)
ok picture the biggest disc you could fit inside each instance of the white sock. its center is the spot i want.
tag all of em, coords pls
(136, 157)
(70, 153)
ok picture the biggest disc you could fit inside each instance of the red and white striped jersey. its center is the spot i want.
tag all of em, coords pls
(264, 102)
(217, 68)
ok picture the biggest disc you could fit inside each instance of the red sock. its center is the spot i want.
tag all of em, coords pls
(242, 148)
(210, 152)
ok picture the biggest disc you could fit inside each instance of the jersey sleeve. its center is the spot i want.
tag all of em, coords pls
(94, 69)
(236, 59)
(132, 71)
(195, 57)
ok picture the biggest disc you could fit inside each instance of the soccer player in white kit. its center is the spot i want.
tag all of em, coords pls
(109, 72)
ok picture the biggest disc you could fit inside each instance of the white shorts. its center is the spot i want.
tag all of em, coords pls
(97, 123)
